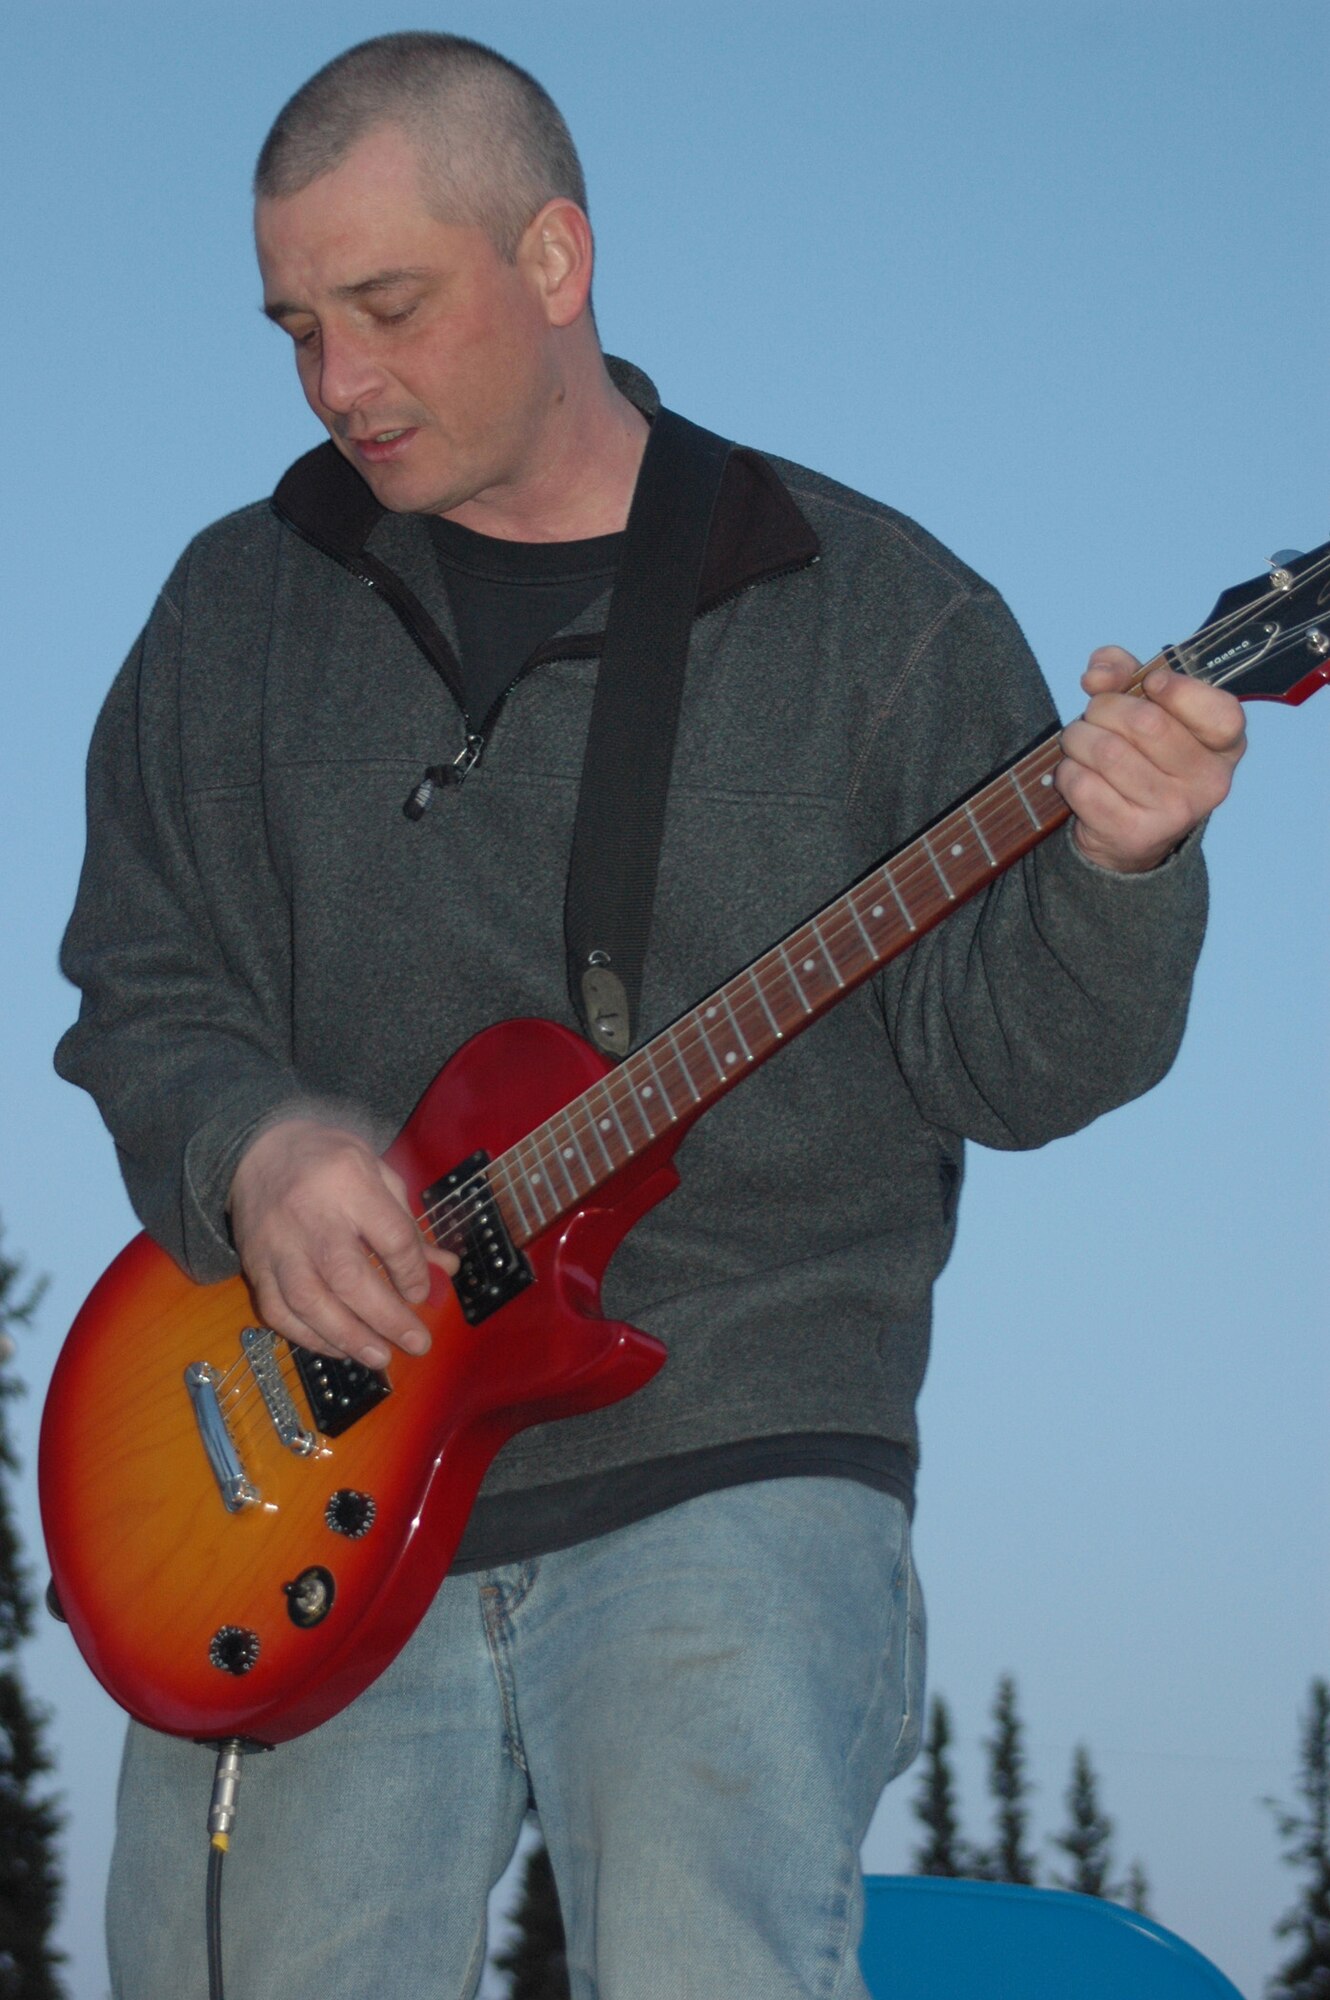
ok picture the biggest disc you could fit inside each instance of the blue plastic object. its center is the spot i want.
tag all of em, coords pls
(932, 1939)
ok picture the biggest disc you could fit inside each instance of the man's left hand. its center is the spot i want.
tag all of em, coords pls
(1140, 771)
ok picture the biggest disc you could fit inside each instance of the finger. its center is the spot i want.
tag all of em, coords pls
(312, 1318)
(1211, 715)
(1141, 752)
(410, 1276)
(1109, 667)
(1151, 755)
(342, 1300)
(393, 1234)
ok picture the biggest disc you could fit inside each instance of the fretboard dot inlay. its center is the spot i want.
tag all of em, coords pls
(604, 1124)
(876, 910)
(535, 1180)
(568, 1152)
(1047, 778)
(648, 1090)
(808, 965)
(958, 848)
(711, 1013)
(730, 1056)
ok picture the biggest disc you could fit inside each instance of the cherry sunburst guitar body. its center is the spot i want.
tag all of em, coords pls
(149, 1566)
(242, 1539)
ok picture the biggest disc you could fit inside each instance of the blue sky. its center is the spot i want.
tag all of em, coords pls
(1050, 278)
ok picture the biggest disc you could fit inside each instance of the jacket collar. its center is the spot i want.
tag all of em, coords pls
(757, 531)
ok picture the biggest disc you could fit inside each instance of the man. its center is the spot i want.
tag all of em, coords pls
(687, 1627)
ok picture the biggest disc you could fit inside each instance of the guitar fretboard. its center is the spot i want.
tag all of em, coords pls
(672, 1079)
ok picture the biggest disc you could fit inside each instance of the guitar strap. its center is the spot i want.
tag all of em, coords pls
(634, 717)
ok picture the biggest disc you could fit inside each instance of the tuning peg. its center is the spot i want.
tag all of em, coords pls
(1282, 557)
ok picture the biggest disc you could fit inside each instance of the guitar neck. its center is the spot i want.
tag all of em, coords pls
(669, 1082)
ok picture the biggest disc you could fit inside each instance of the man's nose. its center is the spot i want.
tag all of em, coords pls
(347, 374)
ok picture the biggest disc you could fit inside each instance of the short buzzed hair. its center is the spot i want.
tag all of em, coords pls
(493, 145)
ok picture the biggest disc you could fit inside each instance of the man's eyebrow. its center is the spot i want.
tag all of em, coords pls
(380, 281)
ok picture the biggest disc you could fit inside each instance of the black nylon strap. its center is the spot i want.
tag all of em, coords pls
(630, 741)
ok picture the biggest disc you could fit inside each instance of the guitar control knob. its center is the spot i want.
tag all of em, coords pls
(350, 1513)
(234, 1648)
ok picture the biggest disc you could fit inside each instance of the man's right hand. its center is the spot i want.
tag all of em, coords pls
(311, 1205)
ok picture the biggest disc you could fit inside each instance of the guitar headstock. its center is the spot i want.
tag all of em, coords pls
(1268, 640)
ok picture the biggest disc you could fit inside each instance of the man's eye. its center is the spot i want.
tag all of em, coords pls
(396, 318)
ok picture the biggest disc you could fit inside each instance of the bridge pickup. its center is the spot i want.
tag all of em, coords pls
(340, 1392)
(492, 1271)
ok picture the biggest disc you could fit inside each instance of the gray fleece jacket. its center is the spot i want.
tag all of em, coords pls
(259, 926)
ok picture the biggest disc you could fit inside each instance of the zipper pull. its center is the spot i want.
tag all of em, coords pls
(443, 774)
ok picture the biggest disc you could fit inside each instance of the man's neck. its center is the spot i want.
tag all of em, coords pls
(581, 483)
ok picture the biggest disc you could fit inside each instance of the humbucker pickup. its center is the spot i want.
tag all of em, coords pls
(340, 1392)
(492, 1271)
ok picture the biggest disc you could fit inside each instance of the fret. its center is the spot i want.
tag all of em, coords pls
(756, 985)
(510, 1189)
(734, 1023)
(794, 981)
(900, 900)
(625, 1071)
(528, 1182)
(649, 1060)
(822, 946)
(682, 1063)
(587, 1167)
(1030, 813)
(696, 1016)
(565, 1153)
(599, 1127)
(607, 1091)
(853, 910)
(979, 836)
(927, 845)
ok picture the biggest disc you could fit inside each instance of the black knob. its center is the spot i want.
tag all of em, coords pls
(350, 1513)
(234, 1649)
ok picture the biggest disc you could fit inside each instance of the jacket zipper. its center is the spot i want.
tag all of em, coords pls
(459, 768)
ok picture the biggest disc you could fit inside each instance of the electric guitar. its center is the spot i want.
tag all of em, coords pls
(243, 1534)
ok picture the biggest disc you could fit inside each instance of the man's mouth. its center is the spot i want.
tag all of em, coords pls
(385, 444)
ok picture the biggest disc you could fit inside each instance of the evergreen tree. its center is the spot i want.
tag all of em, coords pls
(29, 1877)
(1088, 1838)
(1136, 1890)
(934, 1804)
(1008, 1860)
(1306, 1837)
(537, 1958)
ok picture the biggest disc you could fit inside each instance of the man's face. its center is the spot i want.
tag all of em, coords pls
(429, 359)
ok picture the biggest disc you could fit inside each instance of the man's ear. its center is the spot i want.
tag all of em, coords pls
(556, 251)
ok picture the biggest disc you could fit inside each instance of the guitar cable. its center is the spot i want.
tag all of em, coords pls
(221, 1819)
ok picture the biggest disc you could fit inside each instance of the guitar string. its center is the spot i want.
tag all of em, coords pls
(466, 1203)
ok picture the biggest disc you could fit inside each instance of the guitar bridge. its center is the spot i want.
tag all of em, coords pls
(469, 1222)
(202, 1381)
(260, 1345)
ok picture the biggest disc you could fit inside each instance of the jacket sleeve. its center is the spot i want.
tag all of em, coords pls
(183, 1044)
(1062, 990)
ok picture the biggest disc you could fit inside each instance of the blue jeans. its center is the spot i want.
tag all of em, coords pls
(704, 1707)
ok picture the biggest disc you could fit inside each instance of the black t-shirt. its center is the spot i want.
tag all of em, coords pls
(507, 598)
